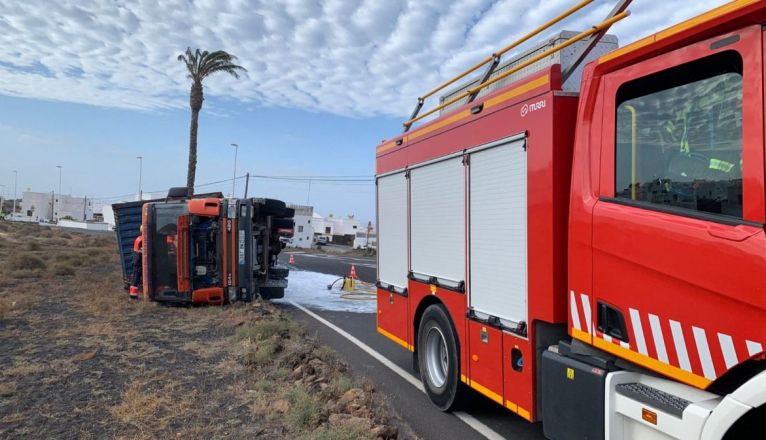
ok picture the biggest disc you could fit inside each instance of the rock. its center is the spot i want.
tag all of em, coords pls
(349, 420)
(368, 387)
(281, 406)
(349, 396)
(323, 386)
(86, 356)
(385, 432)
(297, 372)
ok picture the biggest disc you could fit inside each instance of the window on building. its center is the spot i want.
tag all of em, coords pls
(679, 137)
(327, 230)
(300, 228)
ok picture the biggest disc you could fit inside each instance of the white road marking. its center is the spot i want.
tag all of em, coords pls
(466, 418)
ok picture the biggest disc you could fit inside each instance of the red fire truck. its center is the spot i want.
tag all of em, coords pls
(585, 245)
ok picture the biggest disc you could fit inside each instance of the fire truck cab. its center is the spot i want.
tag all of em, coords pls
(586, 246)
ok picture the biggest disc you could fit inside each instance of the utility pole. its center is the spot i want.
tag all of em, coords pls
(234, 180)
(2, 193)
(140, 175)
(58, 211)
(308, 196)
(15, 182)
(247, 182)
(84, 209)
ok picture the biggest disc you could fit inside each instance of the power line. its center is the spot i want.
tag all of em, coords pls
(336, 180)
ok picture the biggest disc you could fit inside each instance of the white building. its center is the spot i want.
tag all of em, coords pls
(331, 225)
(39, 206)
(303, 235)
(366, 240)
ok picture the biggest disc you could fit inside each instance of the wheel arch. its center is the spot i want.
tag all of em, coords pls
(742, 409)
(418, 315)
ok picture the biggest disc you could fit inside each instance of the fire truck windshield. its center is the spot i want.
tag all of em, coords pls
(164, 244)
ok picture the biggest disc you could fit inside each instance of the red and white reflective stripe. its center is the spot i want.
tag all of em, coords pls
(698, 354)
(638, 332)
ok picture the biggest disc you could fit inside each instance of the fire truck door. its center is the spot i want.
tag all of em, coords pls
(498, 231)
(678, 234)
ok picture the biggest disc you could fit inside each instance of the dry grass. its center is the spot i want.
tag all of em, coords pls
(75, 345)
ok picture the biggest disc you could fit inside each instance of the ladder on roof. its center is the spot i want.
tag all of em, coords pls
(593, 36)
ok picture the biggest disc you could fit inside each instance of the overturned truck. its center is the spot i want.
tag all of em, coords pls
(207, 249)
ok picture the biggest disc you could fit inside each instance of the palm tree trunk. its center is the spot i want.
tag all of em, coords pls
(195, 101)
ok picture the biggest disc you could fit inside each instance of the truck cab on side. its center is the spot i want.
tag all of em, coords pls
(212, 250)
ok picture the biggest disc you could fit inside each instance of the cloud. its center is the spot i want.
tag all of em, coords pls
(348, 57)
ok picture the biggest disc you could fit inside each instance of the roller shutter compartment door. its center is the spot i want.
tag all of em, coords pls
(437, 221)
(392, 230)
(498, 232)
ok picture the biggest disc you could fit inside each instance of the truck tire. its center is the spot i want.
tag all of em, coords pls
(272, 207)
(272, 292)
(282, 223)
(438, 358)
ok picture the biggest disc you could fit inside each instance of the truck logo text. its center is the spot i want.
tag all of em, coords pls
(528, 108)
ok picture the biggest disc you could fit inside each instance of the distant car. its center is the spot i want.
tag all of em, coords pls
(322, 240)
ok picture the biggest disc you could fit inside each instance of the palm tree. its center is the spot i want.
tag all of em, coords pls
(200, 65)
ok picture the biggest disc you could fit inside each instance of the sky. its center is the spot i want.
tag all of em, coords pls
(91, 85)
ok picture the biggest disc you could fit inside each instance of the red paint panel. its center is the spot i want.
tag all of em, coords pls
(393, 317)
(485, 359)
(518, 386)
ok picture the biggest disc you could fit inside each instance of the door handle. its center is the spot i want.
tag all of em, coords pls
(733, 233)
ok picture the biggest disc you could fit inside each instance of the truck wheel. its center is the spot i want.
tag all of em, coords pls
(282, 223)
(438, 358)
(273, 207)
(272, 292)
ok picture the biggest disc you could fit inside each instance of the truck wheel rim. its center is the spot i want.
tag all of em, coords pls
(437, 359)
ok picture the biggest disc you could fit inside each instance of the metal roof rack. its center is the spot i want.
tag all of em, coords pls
(594, 34)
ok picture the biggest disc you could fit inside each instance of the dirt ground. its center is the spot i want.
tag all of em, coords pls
(78, 359)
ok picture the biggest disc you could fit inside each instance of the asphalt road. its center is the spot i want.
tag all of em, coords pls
(332, 264)
(411, 403)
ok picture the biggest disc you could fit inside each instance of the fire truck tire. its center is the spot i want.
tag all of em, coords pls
(438, 358)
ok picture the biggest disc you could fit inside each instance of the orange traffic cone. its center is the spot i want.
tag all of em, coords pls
(292, 259)
(353, 272)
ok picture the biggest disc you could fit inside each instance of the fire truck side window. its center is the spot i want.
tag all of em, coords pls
(679, 137)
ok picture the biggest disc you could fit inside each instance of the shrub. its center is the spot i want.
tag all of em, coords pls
(304, 408)
(337, 433)
(265, 328)
(63, 269)
(33, 246)
(262, 354)
(27, 262)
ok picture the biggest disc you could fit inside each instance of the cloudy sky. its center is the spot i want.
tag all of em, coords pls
(90, 85)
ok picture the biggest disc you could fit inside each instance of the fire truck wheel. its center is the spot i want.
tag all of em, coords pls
(438, 358)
